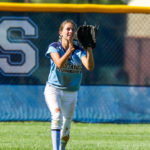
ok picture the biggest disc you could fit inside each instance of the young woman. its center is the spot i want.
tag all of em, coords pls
(64, 81)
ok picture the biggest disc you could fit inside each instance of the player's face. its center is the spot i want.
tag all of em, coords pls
(68, 31)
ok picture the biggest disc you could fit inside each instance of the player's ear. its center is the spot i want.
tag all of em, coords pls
(60, 32)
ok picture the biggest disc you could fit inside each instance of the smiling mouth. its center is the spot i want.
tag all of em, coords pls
(69, 36)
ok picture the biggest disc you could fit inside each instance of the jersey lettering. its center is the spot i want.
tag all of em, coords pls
(71, 68)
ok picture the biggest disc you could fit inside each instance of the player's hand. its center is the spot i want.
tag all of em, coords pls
(71, 47)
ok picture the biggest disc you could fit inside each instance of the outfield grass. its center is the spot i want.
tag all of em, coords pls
(84, 136)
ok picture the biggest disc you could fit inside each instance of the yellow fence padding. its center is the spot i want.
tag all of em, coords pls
(74, 8)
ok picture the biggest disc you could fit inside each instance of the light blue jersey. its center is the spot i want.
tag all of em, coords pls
(68, 77)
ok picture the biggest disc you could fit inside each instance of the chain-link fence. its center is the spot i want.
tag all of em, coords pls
(121, 55)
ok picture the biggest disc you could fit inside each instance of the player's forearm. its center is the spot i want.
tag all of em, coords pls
(90, 60)
(62, 61)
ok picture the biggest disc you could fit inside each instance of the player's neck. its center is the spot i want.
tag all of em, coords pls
(65, 44)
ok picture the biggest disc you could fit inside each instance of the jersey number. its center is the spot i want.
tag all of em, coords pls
(22, 47)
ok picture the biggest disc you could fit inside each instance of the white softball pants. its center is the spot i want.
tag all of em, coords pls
(62, 106)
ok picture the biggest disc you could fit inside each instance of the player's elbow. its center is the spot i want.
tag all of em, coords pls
(90, 68)
(60, 65)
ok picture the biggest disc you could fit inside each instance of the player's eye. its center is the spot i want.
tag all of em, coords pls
(70, 29)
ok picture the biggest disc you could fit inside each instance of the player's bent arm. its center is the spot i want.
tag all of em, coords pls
(88, 61)
(60, 61)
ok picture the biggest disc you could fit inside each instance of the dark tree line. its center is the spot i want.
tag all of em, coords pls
(70, 1)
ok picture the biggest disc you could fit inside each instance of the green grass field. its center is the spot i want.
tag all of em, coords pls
(84, 136)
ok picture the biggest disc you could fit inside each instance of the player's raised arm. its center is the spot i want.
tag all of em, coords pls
(88, 61)
(61, 61)
(86, 35)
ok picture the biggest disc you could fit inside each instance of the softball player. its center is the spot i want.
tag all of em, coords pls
(64, 81)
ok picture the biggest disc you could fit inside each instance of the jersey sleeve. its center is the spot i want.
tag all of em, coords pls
(50, 50)
(83, 53)
(80, 51)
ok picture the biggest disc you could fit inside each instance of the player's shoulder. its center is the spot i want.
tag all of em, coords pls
(55, 45)
(78, 48)
(77, 45)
